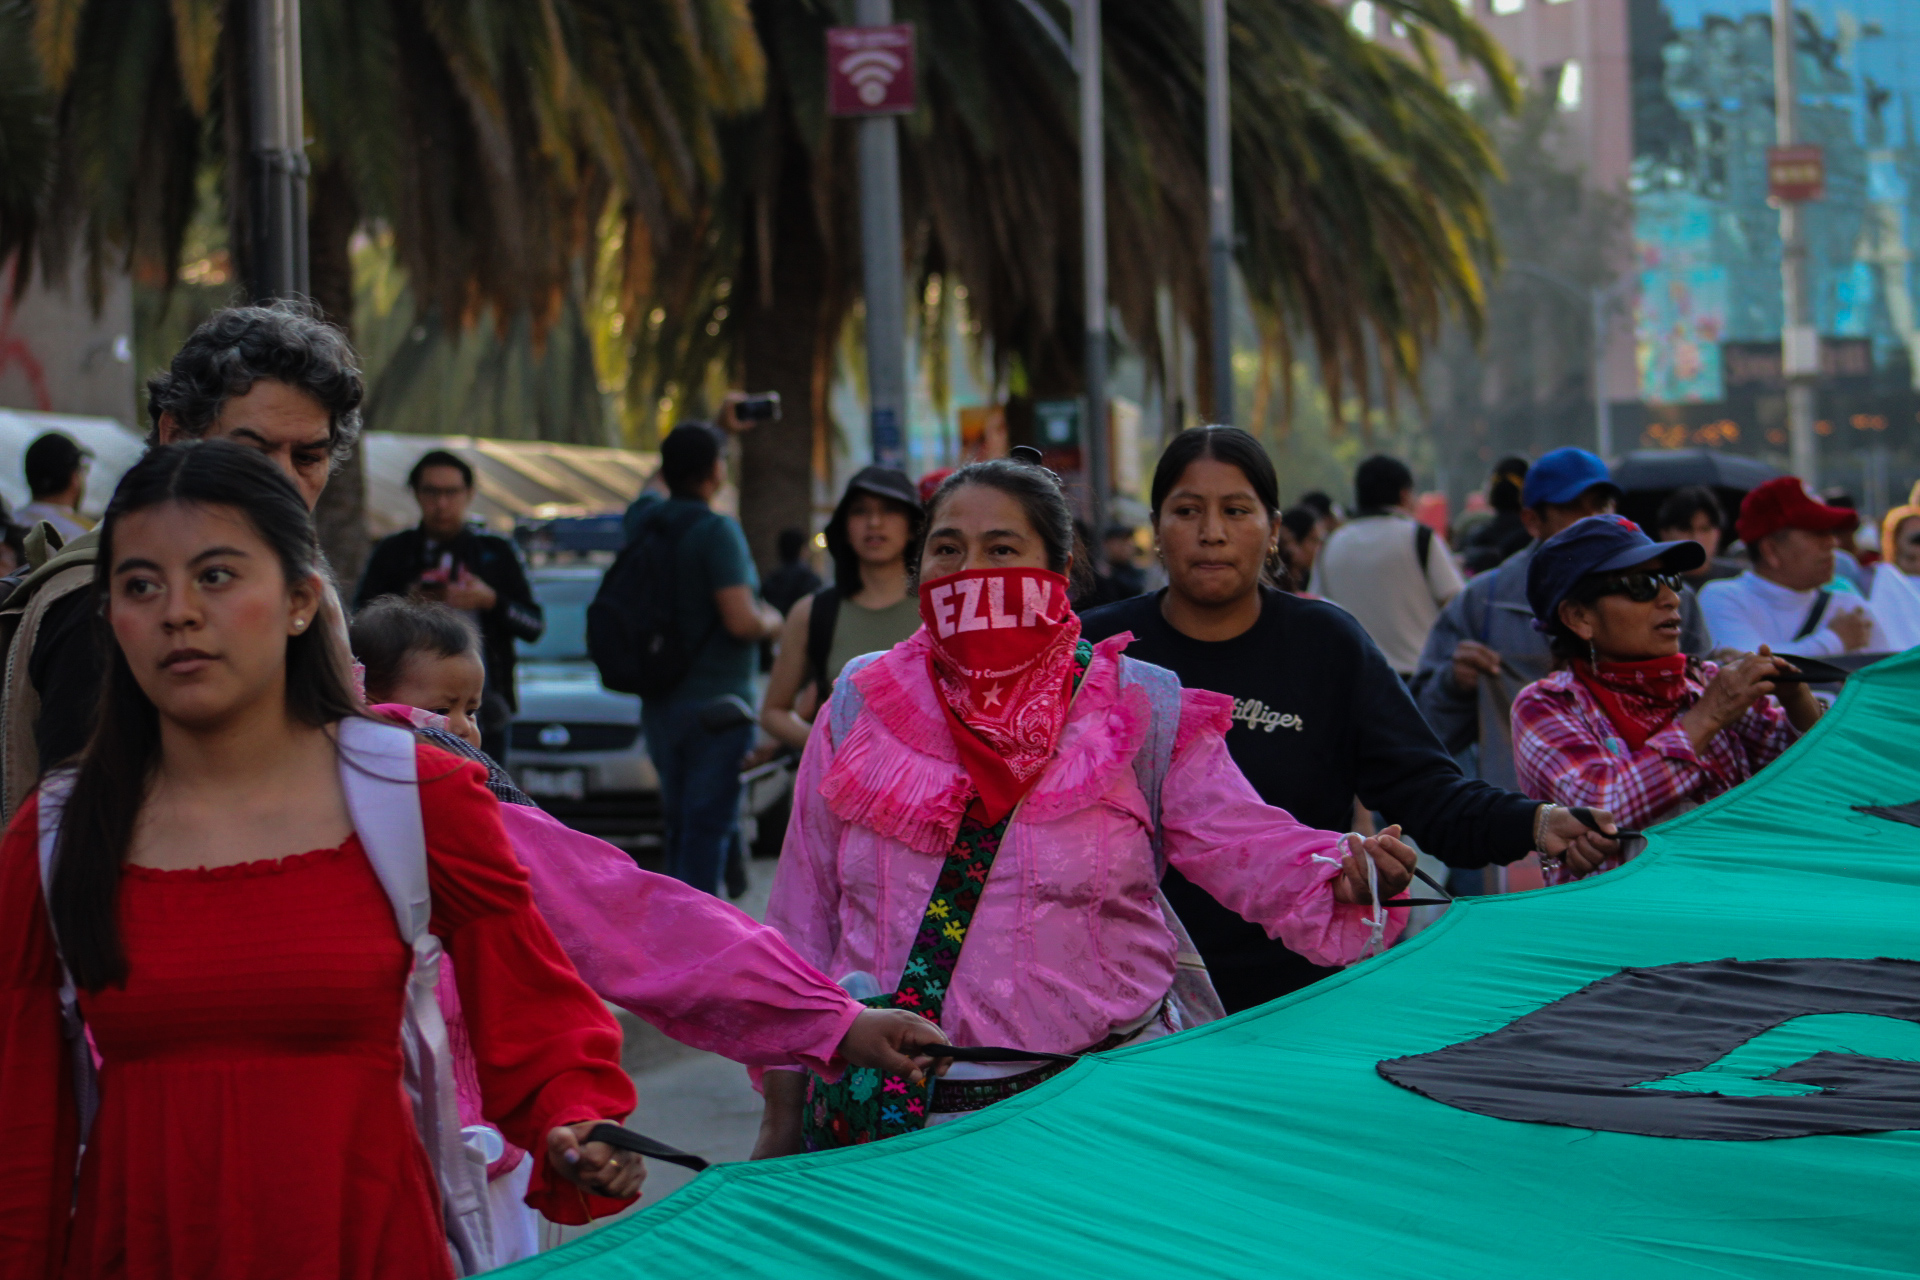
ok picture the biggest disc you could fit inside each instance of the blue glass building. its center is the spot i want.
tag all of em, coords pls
(1708, 242)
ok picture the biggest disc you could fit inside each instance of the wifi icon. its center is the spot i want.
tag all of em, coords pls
(870, 70)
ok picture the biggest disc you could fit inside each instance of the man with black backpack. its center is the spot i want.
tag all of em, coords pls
(677, 620)
(1383, 568)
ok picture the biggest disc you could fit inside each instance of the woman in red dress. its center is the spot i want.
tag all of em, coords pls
(240, 972)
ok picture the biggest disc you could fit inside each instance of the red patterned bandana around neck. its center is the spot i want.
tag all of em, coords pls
(1641, 698)
(1002, 663)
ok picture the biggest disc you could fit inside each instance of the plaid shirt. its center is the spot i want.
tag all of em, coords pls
(1566, 749)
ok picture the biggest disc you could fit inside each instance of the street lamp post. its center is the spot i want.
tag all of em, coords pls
(1219, 207)
(276, 158)
(1799, 340)
(1093, 232)
(883, 272)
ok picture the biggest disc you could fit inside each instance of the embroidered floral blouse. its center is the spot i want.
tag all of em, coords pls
(1067, 943)
(1566, 749)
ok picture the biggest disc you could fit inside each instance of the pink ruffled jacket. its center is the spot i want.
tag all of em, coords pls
(1067, 943)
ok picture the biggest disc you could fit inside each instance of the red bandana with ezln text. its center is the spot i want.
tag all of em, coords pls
(1002, 663)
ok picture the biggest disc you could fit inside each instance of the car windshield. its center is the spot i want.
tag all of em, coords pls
(564, 600)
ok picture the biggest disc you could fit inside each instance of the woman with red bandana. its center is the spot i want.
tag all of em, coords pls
(979, 831)
(1628, 723)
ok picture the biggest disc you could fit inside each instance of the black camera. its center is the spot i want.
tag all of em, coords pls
(760, 408)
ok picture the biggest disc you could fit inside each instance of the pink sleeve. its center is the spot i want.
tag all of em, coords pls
(804, 904)
(701, 970)
(1258, 860)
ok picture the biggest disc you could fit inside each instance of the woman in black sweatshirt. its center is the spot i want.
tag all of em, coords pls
(1318, 719)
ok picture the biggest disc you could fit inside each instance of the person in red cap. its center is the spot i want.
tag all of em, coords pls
(1789, 599)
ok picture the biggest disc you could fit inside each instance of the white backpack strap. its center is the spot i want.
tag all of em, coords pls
(382, 786)
(86, 1083)
(1193, 992)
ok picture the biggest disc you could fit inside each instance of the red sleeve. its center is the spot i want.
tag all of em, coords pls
(547, 1050)
(39, 1128)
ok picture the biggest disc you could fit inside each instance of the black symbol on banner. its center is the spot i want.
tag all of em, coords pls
(1577, 1061)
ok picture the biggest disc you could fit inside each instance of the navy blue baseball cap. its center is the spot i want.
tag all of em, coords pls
(1563, 475)
(1598, 544)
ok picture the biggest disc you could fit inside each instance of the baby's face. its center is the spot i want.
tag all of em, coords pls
(450, 687)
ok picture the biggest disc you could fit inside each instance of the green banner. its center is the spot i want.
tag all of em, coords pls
(1272, 1144)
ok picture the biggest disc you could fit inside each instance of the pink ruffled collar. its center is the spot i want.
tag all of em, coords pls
(897, 772)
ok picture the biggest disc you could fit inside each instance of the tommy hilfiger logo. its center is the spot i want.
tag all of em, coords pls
(1255, 714)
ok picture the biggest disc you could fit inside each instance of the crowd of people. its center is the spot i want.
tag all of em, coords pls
(1048, 803)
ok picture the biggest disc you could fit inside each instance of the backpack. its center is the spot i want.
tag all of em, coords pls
(377, 771)
(633, 625)
(821, 621)
(56, 573)
(1192, 994)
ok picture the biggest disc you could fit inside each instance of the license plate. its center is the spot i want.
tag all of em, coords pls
(555, 784)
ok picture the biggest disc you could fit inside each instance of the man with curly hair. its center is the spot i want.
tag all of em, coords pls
(277, 378)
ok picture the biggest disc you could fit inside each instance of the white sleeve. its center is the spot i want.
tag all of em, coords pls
(1443, 575)
(1727, 610)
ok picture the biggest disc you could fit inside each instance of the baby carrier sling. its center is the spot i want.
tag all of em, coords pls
(865, 1106)
(378, 774)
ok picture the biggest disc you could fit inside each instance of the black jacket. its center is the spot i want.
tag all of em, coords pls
(397, 563)
(1318, 719)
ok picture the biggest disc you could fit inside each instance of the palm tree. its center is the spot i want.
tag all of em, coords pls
(1359, 192)
(26, 141)
(494, 140)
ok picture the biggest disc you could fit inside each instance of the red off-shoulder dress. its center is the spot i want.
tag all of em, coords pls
(252, 1120)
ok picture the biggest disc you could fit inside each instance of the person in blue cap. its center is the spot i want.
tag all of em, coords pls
(1627, 722)
(1489, 625)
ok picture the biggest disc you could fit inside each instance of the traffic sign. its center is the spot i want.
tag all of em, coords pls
(1796, 174)
(870, 70)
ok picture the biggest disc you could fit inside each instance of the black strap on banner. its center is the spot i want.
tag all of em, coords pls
(640, 1144)
(1592, 823)
(1444, 899)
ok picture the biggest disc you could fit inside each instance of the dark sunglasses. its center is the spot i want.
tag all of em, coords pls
(1639, 587)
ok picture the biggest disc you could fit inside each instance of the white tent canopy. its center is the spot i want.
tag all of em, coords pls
(512, 478)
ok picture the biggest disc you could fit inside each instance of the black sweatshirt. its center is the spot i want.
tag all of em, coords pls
(398, 561)
(1318, 719)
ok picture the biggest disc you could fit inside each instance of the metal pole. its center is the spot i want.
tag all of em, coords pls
(1220, 207)
(276, 159)
(883, 269)
(1093, 232)
(1799, 341)
(1602, 420)
(294, 146)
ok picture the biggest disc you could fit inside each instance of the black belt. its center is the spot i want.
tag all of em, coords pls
(953, 1096)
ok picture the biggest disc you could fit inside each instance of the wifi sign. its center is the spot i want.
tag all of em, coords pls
(870, 70)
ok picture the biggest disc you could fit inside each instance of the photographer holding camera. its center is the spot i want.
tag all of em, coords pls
(445, 559)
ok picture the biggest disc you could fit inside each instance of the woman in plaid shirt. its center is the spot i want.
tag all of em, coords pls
(1627, 722)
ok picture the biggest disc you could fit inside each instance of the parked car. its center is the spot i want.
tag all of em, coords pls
(576, 747)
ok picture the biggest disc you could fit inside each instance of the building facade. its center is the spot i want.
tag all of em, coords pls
(1672, 102)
